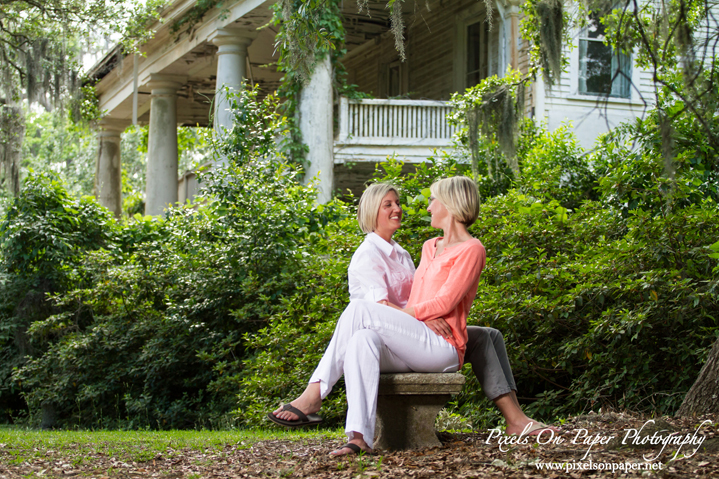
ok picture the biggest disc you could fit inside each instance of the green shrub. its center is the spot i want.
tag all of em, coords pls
(45, 233)
(601, 273)
(597, 311)
(286, 352)
(154, 339)
(635, 173)
(554, 167)
(610, 302)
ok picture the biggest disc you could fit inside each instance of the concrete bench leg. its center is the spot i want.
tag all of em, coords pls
(407, 407)
(407, 422)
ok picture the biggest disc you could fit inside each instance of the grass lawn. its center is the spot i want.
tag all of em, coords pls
(80, 450)
(139, 446)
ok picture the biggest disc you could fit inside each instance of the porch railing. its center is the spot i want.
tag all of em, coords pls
(373, 129)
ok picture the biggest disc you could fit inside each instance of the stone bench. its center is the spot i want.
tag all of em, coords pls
(407, 407)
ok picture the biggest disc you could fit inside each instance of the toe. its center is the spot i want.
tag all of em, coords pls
(285, 415)
(343, 451)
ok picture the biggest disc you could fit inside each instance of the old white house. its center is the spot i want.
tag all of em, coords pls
(449, 48)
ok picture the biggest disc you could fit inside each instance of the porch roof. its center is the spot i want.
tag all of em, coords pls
(192, 56)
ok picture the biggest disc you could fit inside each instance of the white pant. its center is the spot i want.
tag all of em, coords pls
(371, 338)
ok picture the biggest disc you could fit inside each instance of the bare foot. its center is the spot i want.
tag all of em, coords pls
(530, 427)
(309, 403)
(344, 450)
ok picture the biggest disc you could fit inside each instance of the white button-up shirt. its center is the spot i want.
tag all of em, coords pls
(381, 271)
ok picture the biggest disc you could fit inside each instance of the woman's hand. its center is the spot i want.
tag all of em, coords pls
(440, 327)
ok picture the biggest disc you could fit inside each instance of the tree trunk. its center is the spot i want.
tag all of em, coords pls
(12, 131)
(703, 397)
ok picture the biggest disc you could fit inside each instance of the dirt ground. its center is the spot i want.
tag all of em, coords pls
(618, 441)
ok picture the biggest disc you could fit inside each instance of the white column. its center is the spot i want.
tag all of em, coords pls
(316, 127)
(162, 143)
(232, 46)
(108, 172)
(514, 33)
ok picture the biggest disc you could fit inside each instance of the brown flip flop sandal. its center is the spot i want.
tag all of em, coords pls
(352, 447)
(304, 419)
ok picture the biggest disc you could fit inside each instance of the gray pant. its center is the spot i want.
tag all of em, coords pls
(488, 356)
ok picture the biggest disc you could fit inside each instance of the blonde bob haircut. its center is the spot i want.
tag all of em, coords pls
(369, 205)
(460, 196)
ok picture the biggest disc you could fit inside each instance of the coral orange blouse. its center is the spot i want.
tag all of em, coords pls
(445, 286)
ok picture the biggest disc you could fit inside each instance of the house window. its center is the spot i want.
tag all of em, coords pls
(477, 48)
(602, 71)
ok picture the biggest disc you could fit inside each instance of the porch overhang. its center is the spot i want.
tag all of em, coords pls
(193, 54)
(190, 54)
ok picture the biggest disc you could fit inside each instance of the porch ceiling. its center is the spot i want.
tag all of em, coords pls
(363, 27)
(194, 99)
(191, 55)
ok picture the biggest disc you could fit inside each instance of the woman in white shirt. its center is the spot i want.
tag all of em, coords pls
(382, 271)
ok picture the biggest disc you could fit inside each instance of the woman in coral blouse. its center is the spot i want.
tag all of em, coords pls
(372, 337)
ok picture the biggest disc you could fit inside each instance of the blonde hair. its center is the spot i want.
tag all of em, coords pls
(460, 196)
(369, 205)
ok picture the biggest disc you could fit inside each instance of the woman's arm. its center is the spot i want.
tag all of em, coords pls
(367, 281)
(409, 310)
(376, 276)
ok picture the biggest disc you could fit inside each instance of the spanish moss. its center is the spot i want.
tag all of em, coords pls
(397, 27)
(491, 112)
(684, 39)
(667, 138)
(551, 28)
(12, 131)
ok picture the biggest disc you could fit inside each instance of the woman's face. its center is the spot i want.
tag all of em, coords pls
(389, 216)
(440, 215)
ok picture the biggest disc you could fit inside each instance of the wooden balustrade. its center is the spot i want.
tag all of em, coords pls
(371, 130)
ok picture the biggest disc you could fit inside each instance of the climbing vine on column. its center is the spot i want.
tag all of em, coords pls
(309, 30)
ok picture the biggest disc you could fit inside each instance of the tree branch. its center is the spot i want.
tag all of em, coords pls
(688, 104)
(6, 57)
